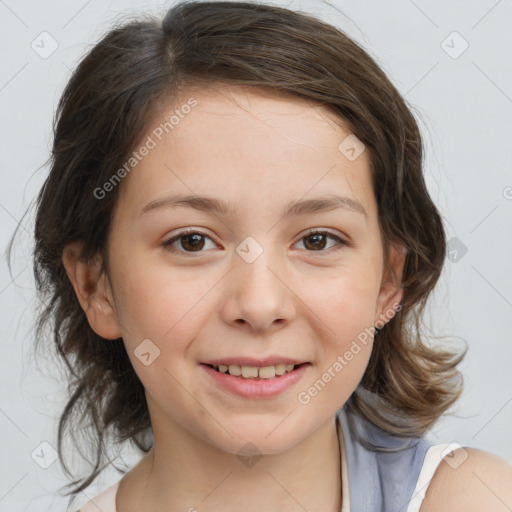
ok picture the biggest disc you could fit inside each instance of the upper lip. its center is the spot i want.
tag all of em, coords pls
(251, 361)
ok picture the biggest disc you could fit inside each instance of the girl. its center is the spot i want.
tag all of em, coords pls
(238, 245)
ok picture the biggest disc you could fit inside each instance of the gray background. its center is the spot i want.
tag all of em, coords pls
(465, 101)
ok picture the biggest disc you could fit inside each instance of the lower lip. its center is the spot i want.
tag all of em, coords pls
(257, 388)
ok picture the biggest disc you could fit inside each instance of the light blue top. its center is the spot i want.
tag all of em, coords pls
(380, 481)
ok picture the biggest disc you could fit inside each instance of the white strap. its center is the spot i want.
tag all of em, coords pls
(345, 488)
(435, 454)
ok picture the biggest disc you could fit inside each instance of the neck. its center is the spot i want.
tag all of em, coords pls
(188, 474)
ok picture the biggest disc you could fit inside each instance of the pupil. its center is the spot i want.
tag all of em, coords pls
(316, 236)
(195, 244)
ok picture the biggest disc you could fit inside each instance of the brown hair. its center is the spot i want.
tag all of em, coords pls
(105, 110)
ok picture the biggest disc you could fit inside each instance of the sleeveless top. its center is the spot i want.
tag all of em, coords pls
(372, 481)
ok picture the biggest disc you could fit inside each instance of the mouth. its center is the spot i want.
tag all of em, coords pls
(256, 372)
(256, 382)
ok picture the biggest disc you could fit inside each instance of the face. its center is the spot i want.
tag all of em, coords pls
(190, 284)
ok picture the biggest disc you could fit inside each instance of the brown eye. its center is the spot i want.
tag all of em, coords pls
(316, 241)
(194, 242)
(190, 241)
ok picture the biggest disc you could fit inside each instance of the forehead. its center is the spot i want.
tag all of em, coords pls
(241, 142)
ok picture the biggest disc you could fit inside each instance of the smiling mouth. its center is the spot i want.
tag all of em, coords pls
(256, 373)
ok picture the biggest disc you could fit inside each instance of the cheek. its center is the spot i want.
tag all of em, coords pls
(343, 317)
(158, 321)
(343, 306)
(162, 307)
(344, 300)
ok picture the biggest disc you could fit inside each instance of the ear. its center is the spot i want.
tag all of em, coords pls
(391, 292)
(92, 290)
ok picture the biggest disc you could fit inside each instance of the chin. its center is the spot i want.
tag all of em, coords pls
(255, 446)
(258, 437)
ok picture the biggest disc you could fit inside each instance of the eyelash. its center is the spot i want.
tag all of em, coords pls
(168, 243)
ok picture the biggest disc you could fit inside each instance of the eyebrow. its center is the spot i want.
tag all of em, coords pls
(294, 208)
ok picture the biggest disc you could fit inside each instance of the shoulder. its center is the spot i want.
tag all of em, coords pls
(471, 481)
(106, 501)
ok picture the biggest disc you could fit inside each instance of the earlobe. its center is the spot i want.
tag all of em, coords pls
(391, 291)
(92, 291)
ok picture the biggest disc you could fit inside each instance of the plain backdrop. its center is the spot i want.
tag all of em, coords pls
(451, 61)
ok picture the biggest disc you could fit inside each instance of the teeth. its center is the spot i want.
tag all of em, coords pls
(281, 368)
(234, 370)
(267, 372)
(251, 372)
(248, 371)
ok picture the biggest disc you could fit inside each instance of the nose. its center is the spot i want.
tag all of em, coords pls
(260, 296)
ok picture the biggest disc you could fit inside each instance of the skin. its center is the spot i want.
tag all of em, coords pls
(472, 481)
(296, 299)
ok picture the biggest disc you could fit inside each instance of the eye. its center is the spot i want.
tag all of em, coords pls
(316, 239)
(191, 241)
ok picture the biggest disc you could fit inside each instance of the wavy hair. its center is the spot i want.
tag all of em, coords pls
(103, 112)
